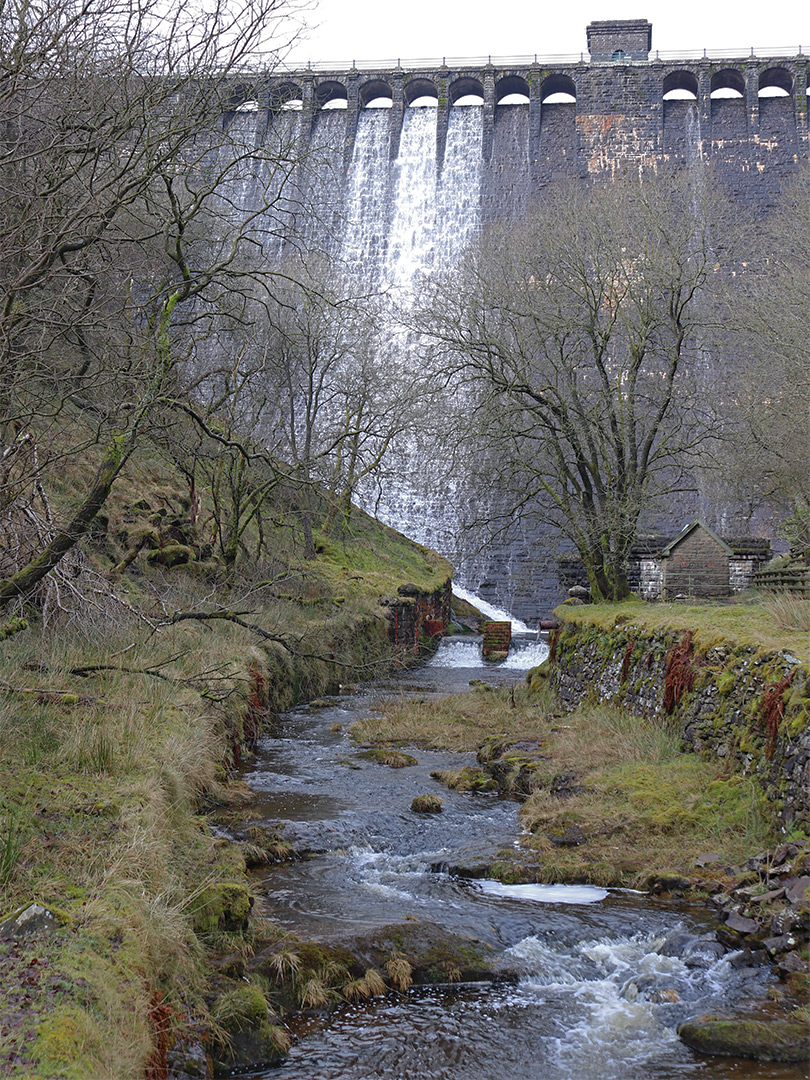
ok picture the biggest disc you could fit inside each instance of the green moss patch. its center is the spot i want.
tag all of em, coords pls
(748, 624)
(467, 778)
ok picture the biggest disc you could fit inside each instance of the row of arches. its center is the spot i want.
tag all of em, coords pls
(728, 83)
(510, 90)
(378, 93)
(466, 90)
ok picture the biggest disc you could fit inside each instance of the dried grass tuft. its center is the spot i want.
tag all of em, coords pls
(400, 972)
(790, 611)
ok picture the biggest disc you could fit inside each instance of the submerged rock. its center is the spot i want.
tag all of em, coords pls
(703, 953)
(676, 943)
(435, 955)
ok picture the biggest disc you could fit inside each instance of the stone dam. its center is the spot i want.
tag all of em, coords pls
(407, 162)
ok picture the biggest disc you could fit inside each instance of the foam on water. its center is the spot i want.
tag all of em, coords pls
(525, 655)
(467, 654)
(545, 894)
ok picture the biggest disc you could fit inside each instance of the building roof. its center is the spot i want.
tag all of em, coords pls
(696, 524)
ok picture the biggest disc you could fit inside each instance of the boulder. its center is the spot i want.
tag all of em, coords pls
(579, 592)
(741, 924)
(32, 921)
(743, 1037)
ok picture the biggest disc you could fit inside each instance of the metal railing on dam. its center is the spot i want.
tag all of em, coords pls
(461, 63)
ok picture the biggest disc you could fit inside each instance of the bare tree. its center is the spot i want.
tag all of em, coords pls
(336, 402)
(117, 217)
(578, 334)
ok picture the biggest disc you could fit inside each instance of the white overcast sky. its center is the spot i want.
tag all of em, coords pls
(381, 30)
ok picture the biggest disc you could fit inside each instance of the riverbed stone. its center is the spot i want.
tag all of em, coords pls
(781, 944)
(435, 955)
(742, 924)
(744, 1037)
(791, 963)
(796, 890)
(703, 953)
(676, 943)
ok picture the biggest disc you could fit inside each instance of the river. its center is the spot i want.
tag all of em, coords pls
(597, 995)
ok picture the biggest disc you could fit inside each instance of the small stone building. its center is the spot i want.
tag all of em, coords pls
(697, 562)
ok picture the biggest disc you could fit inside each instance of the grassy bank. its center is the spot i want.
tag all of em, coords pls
(126, 699)
(608, 798)
(770, 623)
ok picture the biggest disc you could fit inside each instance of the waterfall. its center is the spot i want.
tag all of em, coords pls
(694, 149)
(392, 225)
(406, 221)
(413, 228)
(459, 196)
(364, 239)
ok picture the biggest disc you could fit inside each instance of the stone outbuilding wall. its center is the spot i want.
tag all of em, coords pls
(416, 616)
(696, 563)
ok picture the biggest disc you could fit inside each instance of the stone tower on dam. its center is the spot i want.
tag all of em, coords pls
(394, 192)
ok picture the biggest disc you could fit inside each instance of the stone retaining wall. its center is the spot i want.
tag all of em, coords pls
(748, 708)
(415, 616)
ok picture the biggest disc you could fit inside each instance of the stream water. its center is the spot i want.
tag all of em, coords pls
(597, 995)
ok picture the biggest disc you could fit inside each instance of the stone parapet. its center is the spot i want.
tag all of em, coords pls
(616, 110)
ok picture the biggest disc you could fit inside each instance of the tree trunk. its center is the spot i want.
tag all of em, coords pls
(29, 576)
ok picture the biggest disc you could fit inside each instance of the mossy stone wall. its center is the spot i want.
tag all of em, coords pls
(748, 708)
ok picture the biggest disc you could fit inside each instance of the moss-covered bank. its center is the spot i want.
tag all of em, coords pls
(120, 726)
(745, 706)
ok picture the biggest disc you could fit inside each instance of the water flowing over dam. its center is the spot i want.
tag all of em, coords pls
(393, 196)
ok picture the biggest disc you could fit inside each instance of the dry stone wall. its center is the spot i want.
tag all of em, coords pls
(748, 708)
